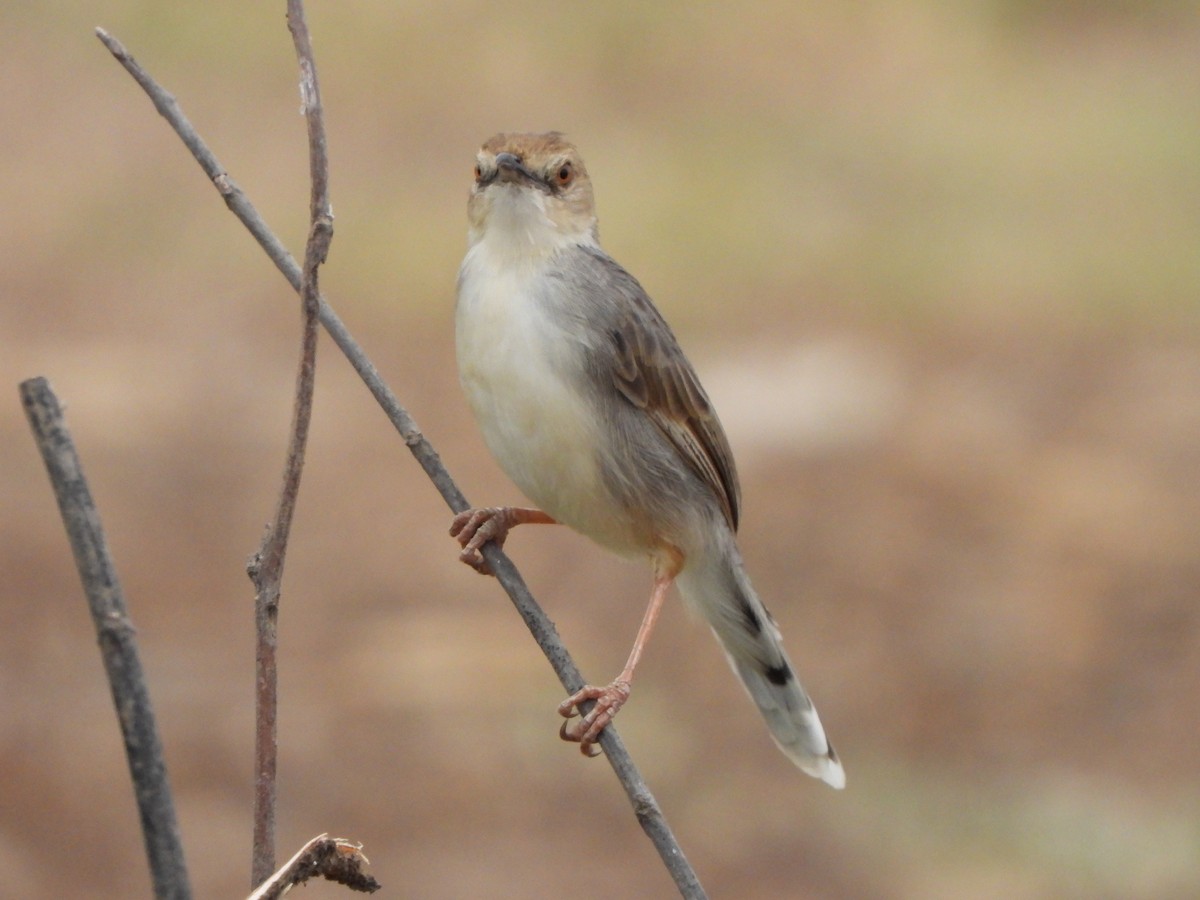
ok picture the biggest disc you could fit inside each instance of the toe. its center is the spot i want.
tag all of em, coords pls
(475, 560)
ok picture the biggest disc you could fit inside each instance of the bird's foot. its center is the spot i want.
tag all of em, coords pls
(609, 699)
(475, 527)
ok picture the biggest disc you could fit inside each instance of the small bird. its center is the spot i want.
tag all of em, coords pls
(587, 402)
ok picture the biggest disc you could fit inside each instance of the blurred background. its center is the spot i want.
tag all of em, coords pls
(936, 263)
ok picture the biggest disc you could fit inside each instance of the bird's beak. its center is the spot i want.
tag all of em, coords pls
(510, 168)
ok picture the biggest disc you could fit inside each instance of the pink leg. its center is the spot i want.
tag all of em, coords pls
(475, 527)
(610, 698)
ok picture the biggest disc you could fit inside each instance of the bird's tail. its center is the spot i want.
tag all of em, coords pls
(714, 584)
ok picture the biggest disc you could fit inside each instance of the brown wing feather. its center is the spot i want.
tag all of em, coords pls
(652, 373)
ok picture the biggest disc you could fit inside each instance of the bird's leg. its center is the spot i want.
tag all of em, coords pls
(475, 527)
(610, 698)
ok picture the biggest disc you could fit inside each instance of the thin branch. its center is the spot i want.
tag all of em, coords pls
(117, 644)
(646, 808)
(333, 859)
(266, 567)
(266, 734)
(240, 205)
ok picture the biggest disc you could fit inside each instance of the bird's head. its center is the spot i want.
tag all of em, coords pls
(532, 194)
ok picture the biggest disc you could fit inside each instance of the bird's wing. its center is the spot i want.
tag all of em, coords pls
(652, 373)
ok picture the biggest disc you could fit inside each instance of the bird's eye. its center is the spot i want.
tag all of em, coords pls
(564, 175)
(478, 172)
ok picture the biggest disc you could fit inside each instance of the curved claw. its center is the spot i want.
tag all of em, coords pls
(609, 700)
(586, 747)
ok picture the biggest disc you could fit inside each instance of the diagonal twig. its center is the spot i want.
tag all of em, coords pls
(645, 807)
(118, 647)
(266, 567)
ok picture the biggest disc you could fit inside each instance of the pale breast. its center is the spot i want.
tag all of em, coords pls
(520, 371)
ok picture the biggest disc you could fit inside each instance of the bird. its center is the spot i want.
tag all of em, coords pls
(587, 402)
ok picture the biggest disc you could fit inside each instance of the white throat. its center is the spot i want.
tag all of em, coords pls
(518, 229)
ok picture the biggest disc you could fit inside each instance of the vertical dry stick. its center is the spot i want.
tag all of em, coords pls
(117, 645)
(646, 808)
(266, 568)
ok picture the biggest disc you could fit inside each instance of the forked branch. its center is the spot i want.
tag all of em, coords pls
(645, 807)
(266, 567)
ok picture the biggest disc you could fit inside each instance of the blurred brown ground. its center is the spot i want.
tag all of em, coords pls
(937, 265)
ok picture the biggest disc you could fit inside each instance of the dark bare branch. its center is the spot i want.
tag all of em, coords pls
(118, 647)
(646, 808)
